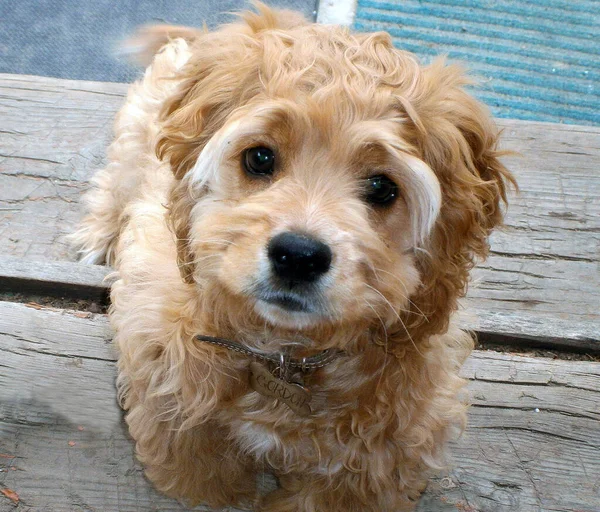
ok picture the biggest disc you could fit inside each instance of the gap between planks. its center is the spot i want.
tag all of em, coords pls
(54, 278)
(74, 280)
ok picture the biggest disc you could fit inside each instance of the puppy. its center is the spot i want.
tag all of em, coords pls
(293, 211)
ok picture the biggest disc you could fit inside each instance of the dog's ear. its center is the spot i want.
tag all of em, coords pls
(222, 73)
(219, 76)
(206, 95)
(458, 140)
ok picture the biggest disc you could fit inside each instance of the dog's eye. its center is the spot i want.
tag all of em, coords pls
(380, 190)
(259, 161)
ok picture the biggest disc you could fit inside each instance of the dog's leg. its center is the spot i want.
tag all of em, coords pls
(97, 234)
(197, 466)
(343, 491)
(133, 164)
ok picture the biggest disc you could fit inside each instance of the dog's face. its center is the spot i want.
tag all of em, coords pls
(325, 178)
(311, 210)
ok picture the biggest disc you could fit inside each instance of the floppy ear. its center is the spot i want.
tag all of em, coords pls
(458, 141)
(211, 87)
(221, 75)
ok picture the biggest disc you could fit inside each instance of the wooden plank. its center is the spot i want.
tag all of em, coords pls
(53, 136)
(532, 444)
(533, 440)
(54, 278)
(541, 284)
(542, 280)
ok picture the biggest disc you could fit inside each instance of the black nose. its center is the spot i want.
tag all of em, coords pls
(298, 258)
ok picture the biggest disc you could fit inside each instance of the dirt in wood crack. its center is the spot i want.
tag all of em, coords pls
(55, 302)
(535, 352)
(100, 307)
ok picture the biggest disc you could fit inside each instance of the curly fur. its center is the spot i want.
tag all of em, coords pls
(186, 229)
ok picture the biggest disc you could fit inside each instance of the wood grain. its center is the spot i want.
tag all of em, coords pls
(533, 441)
(53, 136)
(542, 279)
(532, 444)
(541, 285)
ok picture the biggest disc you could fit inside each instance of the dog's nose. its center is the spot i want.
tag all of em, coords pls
(298, 258)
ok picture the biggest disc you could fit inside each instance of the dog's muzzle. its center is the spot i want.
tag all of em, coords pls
(297, 264)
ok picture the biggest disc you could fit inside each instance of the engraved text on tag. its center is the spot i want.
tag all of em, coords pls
(294, 396)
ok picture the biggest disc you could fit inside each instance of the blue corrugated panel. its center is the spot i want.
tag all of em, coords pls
(535, 59)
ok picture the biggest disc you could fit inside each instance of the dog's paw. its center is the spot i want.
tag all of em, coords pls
(91, 249)
(279, 500)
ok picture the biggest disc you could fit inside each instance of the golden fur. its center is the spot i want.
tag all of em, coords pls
(186, 229)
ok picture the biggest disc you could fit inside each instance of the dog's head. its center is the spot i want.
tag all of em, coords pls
(326, 178)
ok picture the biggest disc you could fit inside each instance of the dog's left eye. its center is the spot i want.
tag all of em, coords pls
(380, 190)
(259, 161)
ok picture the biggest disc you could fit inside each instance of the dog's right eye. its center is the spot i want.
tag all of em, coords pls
(380, 190)
(259, 161)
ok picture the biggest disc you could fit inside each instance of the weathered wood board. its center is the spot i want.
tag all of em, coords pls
(542, 279)
(53, 135)
(57, 374)
(532, 445)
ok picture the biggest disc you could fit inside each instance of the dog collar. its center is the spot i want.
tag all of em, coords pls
(283, 360)
(289, 386)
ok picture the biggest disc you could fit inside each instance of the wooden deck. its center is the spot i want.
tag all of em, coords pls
(533, 441)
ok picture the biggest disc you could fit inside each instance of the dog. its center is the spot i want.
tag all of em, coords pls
(293, 211)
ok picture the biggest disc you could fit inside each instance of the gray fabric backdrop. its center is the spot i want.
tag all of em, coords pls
(77, 38)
